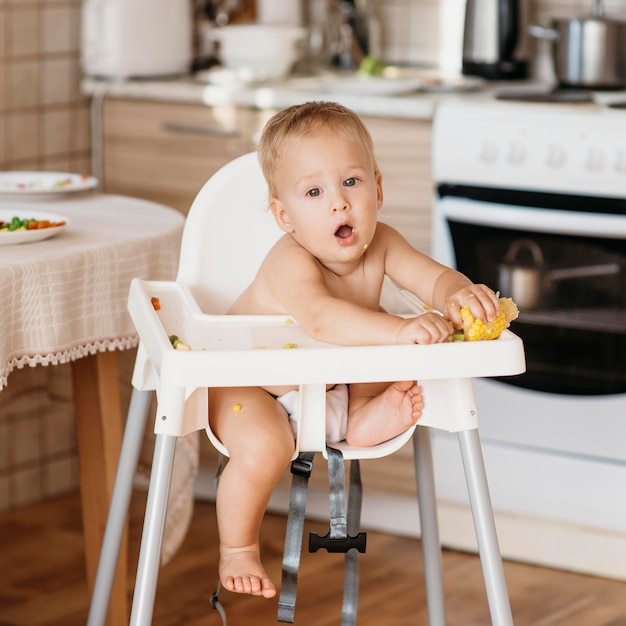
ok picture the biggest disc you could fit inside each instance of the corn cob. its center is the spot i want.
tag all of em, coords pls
(476, 330)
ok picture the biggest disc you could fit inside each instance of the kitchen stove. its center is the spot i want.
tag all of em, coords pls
(550, 177)
(563, 149)
(557, 96)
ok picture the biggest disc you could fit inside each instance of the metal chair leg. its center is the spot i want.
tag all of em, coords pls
(152, 535)
(491, 561)
(118, 510)
(431, 547)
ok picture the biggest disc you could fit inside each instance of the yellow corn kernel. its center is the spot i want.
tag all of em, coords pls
(177, 344)
(477, 330)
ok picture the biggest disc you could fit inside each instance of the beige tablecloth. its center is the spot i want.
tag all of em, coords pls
(65, 297)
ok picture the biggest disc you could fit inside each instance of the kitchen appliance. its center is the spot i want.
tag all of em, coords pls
(522, 187)
(587, 51)
(495, 39)
(136, 38)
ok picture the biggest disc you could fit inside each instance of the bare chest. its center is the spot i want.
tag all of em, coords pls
(361, 288)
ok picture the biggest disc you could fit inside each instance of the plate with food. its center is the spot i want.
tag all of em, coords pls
(43, 185)
(24, 226)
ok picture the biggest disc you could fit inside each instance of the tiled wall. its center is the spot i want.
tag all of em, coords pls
(44, 125)
(37, 439)
(429, 32)
(44, 121)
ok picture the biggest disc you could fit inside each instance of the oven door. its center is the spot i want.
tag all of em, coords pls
(575, 338)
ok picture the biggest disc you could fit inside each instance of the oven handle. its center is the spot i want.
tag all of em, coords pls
(537, 220)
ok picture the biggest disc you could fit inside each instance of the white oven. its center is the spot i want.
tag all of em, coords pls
(538, 192)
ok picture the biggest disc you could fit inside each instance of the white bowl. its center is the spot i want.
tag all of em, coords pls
(259, 51)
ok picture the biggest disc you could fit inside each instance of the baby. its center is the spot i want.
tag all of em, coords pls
(326, 272)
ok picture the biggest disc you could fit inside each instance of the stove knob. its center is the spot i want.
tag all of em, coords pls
(620, 162)
(488, 152)
(516, 153)
(594, 160)
(555, 156)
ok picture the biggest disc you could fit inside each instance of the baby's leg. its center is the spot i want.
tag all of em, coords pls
(255, 430)
(380, 411)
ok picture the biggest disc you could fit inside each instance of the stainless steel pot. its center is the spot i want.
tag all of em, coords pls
(588, 52)
(528, 282)
(522, 281)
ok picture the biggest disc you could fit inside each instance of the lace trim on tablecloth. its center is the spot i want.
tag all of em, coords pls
(66, 356)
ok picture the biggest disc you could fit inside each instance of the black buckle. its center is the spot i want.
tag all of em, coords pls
(339, 544)
(302, 467)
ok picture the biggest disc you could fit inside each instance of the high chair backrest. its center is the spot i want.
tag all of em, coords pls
(228, 232)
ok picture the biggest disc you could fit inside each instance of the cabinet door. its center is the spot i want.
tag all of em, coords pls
(165, 151)
(402, 149)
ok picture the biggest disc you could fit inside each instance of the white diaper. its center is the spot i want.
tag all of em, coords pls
(336, 411)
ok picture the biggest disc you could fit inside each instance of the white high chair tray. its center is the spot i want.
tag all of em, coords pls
(274, 350)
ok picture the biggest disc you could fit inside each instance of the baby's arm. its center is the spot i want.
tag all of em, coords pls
(443, 288)
(330, 308)
(334, 320)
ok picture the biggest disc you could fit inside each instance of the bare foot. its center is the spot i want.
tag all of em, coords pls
(241, 571)
(381, 417)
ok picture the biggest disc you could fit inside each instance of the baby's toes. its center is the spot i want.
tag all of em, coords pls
(417, 406)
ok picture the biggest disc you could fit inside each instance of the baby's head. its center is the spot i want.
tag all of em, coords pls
(304, 120)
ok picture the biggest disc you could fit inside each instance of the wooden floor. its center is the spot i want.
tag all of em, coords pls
(42, 580)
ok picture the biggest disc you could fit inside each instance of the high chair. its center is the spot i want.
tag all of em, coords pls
(228, 232)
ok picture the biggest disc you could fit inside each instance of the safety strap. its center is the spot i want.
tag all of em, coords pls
(342, 537)
(217, 605)
(351, 559)
(301, 472)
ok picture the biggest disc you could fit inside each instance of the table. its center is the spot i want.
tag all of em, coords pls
(68, 303)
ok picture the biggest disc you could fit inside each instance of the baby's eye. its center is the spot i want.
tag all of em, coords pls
(313, 193)
(350, 182)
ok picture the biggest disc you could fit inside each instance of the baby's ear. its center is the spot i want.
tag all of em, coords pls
(280, 215)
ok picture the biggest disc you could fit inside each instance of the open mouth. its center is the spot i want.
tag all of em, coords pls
(344, 232)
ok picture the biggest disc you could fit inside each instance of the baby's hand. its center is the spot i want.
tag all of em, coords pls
(482, 302)
(426, 328)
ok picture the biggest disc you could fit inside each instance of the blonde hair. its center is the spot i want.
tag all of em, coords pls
(302, 120)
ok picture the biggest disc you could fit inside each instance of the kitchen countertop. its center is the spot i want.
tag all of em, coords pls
(417, 104)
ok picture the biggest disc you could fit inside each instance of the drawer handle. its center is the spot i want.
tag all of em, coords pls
(213, 131)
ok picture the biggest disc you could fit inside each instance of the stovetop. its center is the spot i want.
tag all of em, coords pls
(552, 95)
(555, 94)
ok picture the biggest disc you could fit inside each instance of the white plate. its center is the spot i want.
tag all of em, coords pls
(371, 85)
(26, 236)
(43, 185)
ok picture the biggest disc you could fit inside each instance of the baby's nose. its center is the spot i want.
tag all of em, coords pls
(339, 204)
